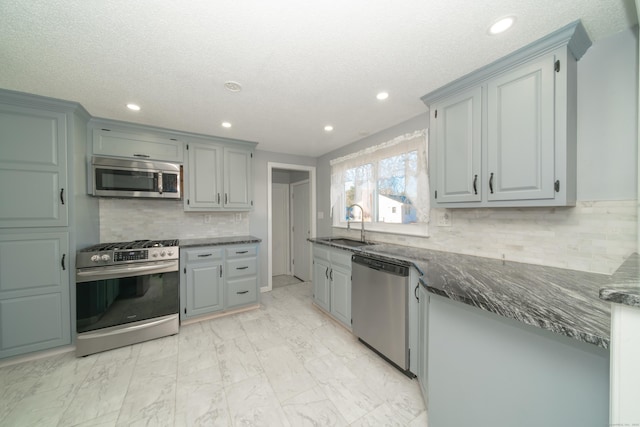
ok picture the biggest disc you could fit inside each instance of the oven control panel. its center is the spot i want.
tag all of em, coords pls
(137, 255)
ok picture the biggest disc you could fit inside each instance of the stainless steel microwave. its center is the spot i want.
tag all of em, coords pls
(135, 178)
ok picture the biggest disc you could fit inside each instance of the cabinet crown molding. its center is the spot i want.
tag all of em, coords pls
(573, 36)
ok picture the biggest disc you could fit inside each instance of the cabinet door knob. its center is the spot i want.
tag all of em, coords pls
(491, 183)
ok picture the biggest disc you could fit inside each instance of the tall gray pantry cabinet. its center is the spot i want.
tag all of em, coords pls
(38, 137)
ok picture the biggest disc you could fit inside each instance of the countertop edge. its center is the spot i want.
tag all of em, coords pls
(625, 295)
(217, 241)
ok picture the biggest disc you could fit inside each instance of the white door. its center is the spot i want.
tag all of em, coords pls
(301, 230)
(280, 229)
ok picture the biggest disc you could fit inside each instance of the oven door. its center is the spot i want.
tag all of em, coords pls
(112, 296)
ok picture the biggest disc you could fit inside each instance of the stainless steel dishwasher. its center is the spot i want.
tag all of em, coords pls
(379, 310)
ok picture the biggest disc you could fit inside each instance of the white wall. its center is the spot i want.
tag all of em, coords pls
(596, 235)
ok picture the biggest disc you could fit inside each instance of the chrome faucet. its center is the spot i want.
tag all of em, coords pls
(361, 221)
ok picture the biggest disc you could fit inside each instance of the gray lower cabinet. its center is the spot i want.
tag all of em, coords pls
(488, 370)
(321, 282)
(217, 278)
(423, 339)
(202, 281)
(34, 292)
(241, 275)
(332, 282)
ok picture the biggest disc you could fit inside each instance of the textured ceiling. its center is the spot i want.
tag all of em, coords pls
(301, 64)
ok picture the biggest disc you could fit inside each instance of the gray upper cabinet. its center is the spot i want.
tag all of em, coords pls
(505, 135)
(218, 176)
(204, 177)
(238, 167)
(33, 167)
(110, 140)
(520, 133)
(458, 136)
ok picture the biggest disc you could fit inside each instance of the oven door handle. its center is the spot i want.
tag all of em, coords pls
(102, 273)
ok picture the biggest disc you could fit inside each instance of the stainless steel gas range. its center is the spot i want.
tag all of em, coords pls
(126, 292)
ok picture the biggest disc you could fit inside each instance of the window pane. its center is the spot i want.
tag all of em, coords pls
(358, 189)
(397, 187)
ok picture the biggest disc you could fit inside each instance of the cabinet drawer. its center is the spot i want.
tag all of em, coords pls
(321, 252)
(242, 291)
(202, 254)
(342, 258)
(241, 251)
(241, 267)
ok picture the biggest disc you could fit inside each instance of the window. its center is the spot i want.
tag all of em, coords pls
(388, 182)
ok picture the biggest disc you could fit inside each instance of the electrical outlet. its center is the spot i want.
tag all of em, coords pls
(207, 219)
(444, 218)
(238, 217)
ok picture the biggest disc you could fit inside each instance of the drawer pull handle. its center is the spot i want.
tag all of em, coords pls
(204, 255)
(242, 268)
(242, 292)
(241, 252)
(144, 156)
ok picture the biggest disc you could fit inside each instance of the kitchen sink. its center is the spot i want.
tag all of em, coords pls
(350, 242)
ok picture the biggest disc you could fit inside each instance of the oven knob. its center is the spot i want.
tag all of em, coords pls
(155, 254)
(163, 253)
(105, 258)
(170, 253)
(95, 258)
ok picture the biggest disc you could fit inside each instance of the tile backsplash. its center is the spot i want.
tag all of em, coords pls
(594, 236)
(133, 219)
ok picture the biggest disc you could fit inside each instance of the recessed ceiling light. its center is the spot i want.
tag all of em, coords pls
(382, 96)
(133, 107)
(502, 25)
(328, 128)
(226, 125)
(233, 86)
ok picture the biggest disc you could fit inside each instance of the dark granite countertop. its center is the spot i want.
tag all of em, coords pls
(216, 241)
(625, 284)
(563, 301)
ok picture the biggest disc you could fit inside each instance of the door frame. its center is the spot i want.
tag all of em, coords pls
(312, 209)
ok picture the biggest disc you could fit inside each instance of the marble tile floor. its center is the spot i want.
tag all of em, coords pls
(285, 364)
(284, 280)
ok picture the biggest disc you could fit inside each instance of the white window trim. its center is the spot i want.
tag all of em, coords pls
(378, 152)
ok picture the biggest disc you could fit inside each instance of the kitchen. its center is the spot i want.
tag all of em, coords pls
(606, 201)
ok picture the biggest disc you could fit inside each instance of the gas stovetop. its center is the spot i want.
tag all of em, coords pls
(104, 254)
